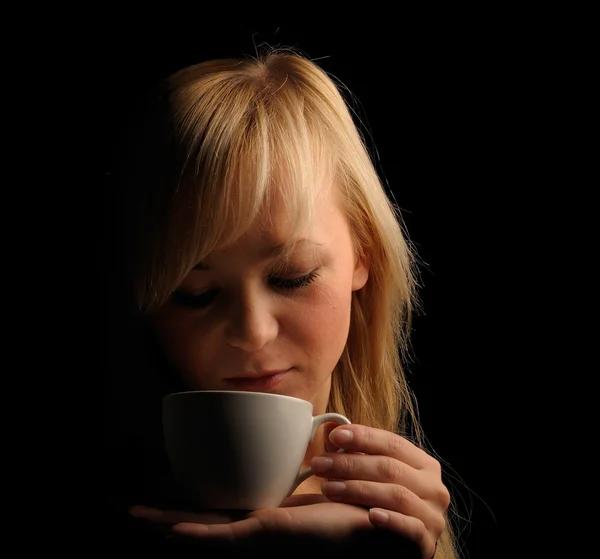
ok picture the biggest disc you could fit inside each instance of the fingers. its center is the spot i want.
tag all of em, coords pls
(372, 468)
(206, 526)
(386, 496)
(370, 440)
(409, 527)
(380, 456)
(175, 517)
(303, 499)
(241, 529)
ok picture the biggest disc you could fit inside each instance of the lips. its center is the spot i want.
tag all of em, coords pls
(258, 381)
(259, 374)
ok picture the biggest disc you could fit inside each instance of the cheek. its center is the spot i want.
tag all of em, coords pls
(323, 323)
(179, 341)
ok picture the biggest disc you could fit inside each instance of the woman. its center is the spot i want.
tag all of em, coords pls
(265, 255)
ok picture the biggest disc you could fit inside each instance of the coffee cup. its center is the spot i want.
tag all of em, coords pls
(238, 450)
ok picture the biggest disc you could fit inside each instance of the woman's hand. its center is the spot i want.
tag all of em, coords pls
(399, 483)
(301, 516)
(381, 481)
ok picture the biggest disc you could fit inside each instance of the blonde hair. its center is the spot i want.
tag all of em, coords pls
(233, 132)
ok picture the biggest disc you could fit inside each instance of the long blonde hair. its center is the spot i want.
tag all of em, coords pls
(228, 133)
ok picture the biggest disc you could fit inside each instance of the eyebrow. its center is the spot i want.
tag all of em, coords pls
(271, 252)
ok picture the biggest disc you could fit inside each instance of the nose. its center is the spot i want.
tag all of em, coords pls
(252, 323)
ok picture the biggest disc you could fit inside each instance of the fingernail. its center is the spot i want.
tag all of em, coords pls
(333, 487)
(379, 516)
(321, 464)
(341, 436)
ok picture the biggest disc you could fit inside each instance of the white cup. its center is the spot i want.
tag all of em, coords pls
(239, 450)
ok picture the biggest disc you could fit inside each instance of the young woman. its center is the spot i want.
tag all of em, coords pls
(262, 253)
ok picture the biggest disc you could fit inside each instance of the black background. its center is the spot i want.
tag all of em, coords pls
(455, 105)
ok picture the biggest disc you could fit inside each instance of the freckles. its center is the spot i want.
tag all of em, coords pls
(327, 319)
(316, 320)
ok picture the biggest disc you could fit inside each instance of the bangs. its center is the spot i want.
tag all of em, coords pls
(244, 148)
(271, 156)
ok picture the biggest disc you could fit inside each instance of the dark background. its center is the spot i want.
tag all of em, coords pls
(454, 106)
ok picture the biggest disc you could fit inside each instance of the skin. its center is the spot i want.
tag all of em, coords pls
(245, 317)
(237, 313)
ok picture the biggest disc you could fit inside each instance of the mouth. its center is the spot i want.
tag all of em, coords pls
(260, 382)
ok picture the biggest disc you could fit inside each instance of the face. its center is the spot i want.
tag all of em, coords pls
(246, 319)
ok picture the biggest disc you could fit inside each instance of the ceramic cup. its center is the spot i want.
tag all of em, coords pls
(239, 450)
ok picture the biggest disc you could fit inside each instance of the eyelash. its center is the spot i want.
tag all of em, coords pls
(204, 299)
(294, 283)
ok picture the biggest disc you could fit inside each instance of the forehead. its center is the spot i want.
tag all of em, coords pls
(278, 220)
(276, 233)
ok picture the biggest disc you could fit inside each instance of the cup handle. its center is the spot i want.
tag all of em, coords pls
(317, 421)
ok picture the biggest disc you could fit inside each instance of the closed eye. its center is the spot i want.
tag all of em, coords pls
(206, 298)
(294, 283)
(194, 301)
